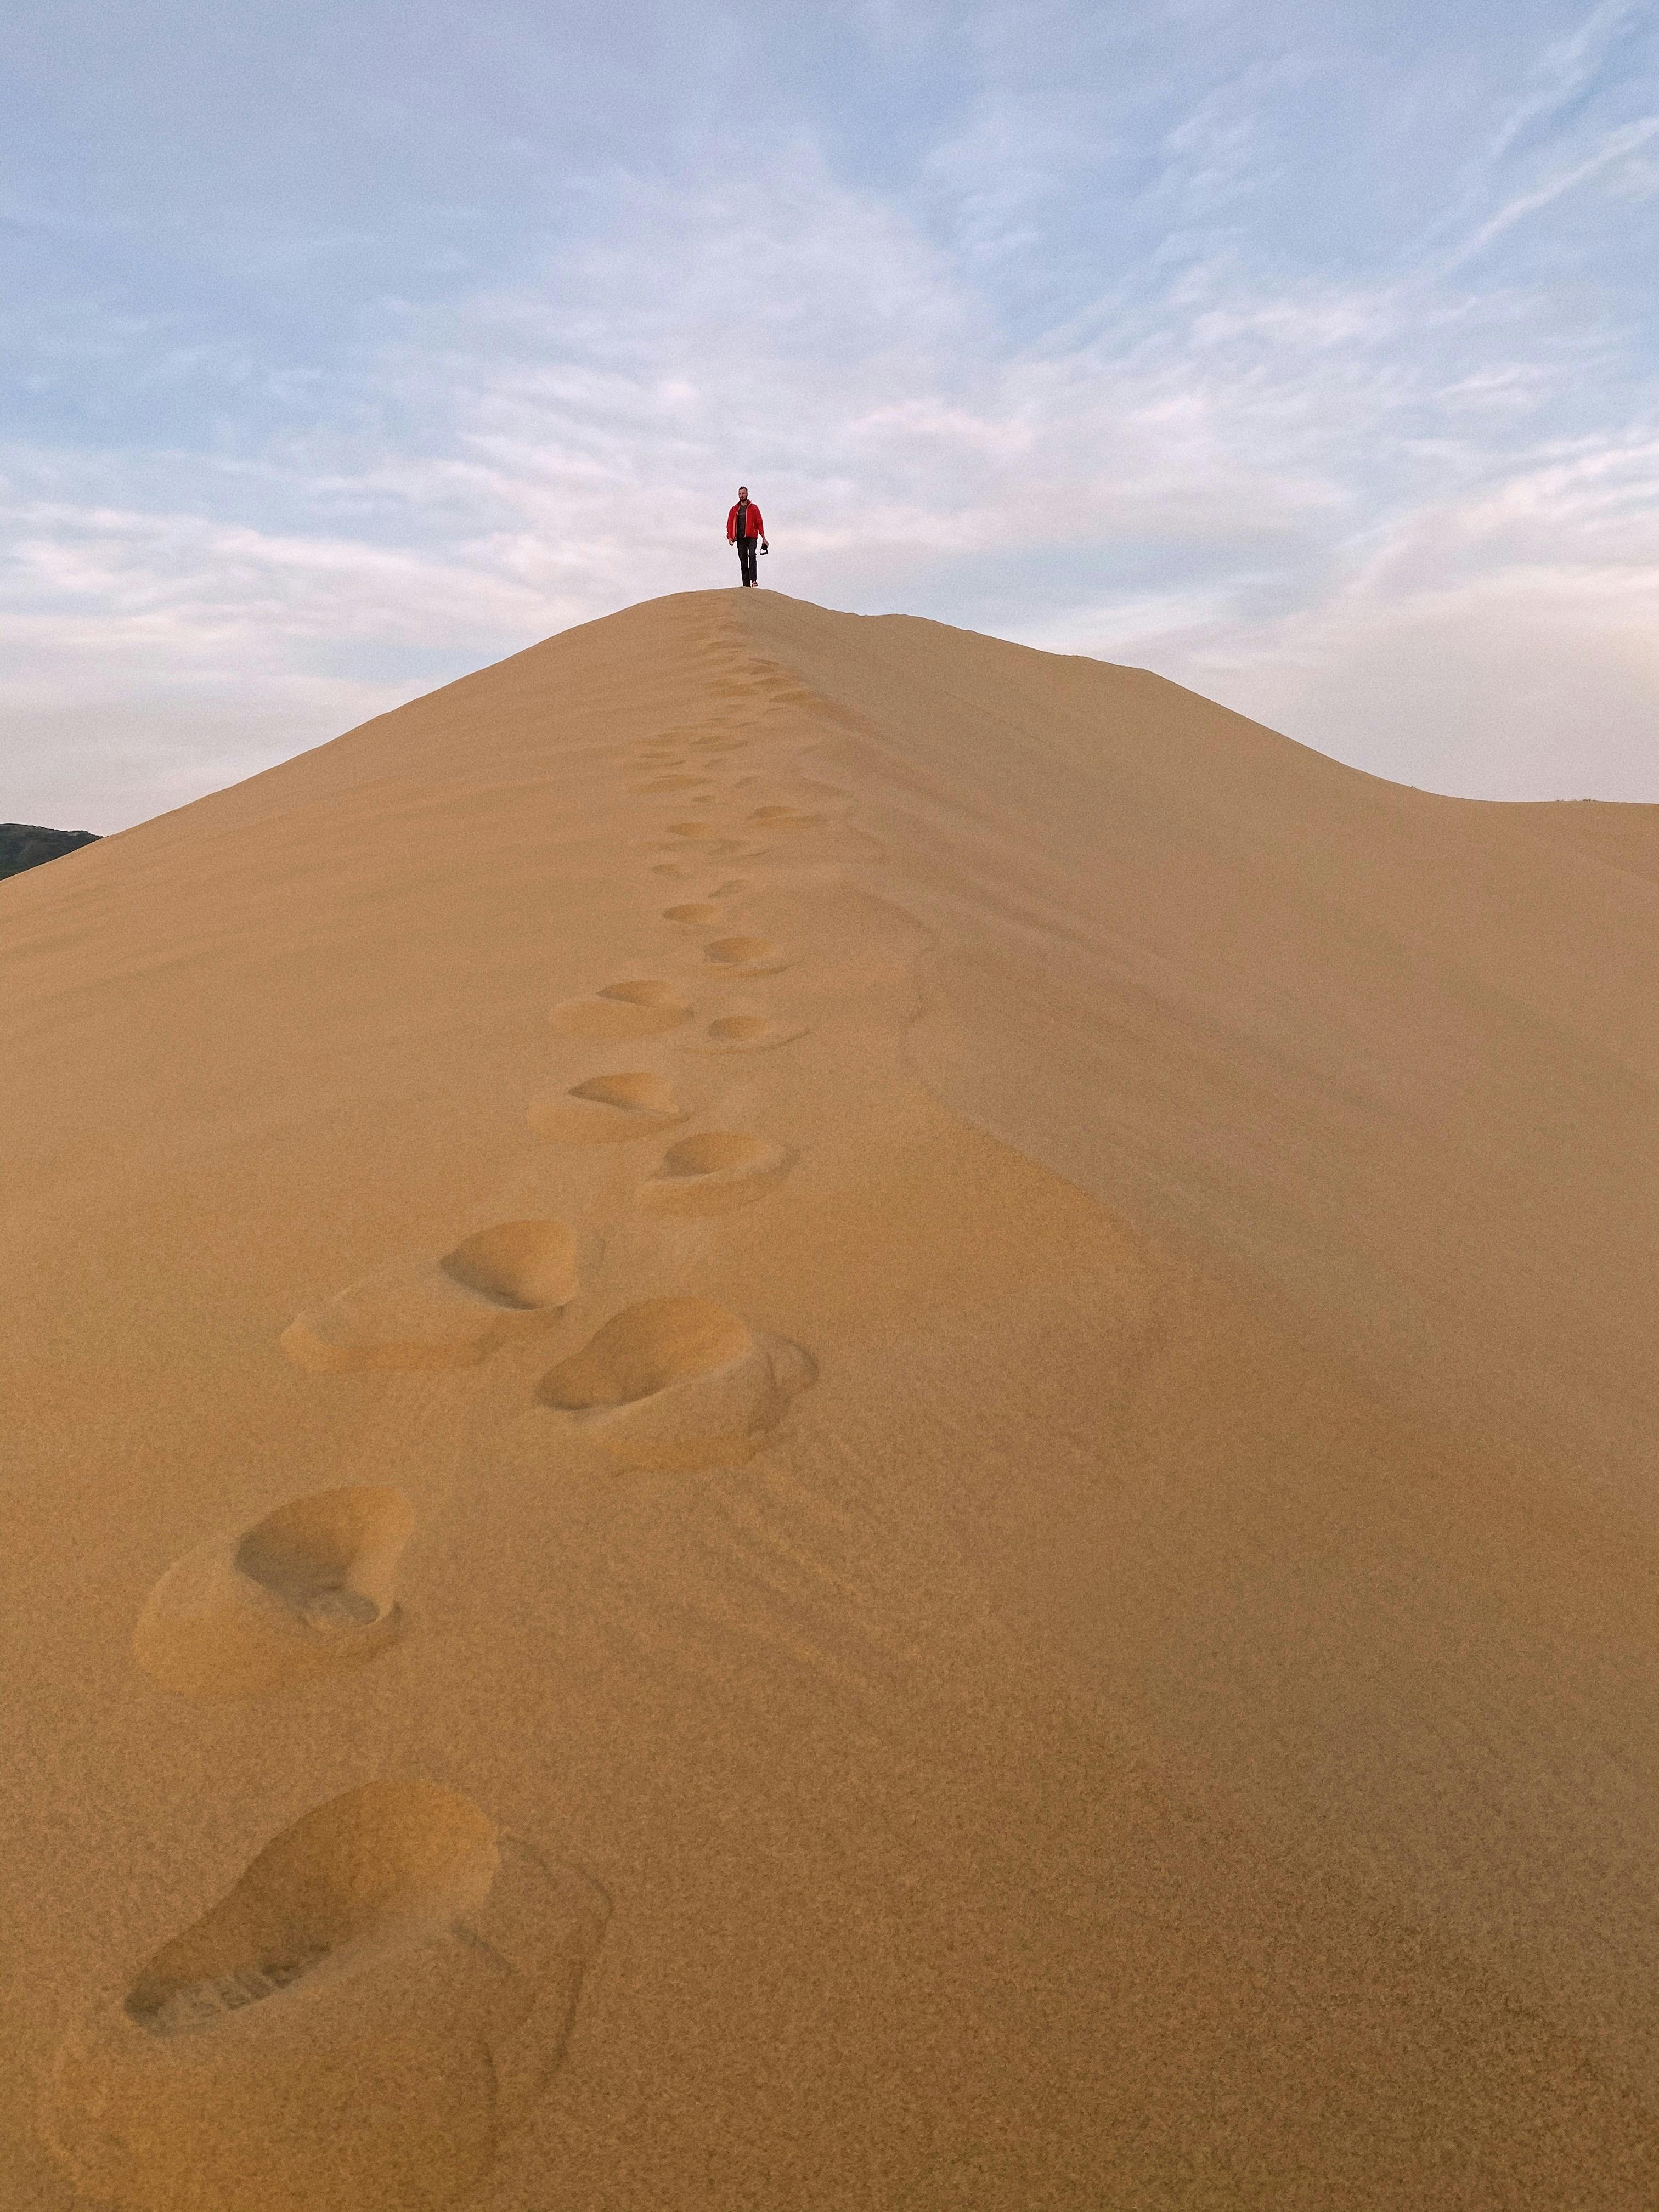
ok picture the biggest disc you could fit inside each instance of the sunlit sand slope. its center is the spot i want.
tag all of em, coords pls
(799, 1412)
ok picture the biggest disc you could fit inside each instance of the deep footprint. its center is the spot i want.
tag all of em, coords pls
(305, 1592)
(641, 1007)
(607, 1110)
(746, 956)
(450, 1312)
(713, 1172)
(696, 914)
(381, 1997)
(677, 1383)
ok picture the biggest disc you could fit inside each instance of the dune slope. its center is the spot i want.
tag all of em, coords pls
(801, 1411)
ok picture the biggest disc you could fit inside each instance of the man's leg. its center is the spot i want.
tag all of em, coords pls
(746, 559)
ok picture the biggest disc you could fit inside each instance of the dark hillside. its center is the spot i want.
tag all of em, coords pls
(22, 845)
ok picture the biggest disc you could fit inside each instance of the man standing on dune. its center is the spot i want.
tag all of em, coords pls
(743, 527)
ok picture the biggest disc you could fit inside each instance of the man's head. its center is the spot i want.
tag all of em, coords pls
(743, 491)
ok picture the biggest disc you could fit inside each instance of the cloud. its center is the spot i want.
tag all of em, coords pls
(1506, 645)
(1617, 146)
(1564, 68)
(1122, 346)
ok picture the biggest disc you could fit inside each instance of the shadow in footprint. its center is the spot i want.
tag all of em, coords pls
(307, 1592)
(746, 956)
(677, 1383)
(381, 1997)
(607, 1110)
(713, 1172)
(747, 1033)
(696, 914)
(449, 1312)
(636, 1008)
(784, 817)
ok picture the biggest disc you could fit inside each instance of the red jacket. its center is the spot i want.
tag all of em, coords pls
(757, 527)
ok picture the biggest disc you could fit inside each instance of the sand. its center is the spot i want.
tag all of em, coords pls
(801, 1412)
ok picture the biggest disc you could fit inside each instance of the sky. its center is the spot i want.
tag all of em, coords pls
(1308, 355)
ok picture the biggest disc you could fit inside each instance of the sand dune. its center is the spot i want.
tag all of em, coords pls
(803, 1412)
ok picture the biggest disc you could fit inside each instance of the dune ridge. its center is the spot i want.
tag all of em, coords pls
(1013, 1434)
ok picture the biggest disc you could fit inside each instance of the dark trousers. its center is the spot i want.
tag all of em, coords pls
(746, 559)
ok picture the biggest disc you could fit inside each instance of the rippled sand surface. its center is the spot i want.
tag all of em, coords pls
(802, 1411)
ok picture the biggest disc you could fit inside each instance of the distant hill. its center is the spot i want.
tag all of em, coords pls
(22, 845)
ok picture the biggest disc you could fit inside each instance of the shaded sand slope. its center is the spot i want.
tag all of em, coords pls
(803, 1412)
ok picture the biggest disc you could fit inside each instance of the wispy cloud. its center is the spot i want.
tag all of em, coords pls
(1618, 146)
(1565, 70)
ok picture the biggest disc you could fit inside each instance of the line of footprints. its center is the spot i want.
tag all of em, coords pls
(390, 1983)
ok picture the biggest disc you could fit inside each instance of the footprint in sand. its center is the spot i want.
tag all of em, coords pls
(668, 868)
(632, 1009)
(677, 1383)
(672, 783)
(713, 1172)
(607, 1110)
(747, 1033)
(692, 829)
(381, 1997)
(696, 914)
(784, 817)
(451, 1312)
(306, 1591)
(746, 956)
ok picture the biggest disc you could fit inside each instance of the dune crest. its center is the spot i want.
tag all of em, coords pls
(1037, 1457)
